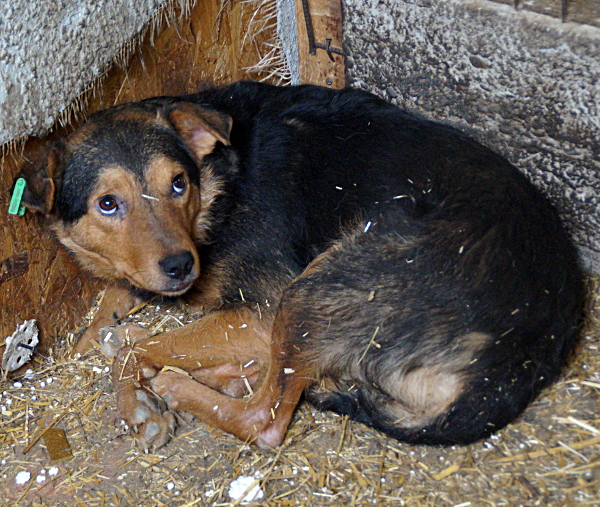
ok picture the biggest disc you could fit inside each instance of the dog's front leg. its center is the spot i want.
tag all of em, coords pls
(115, 304)
(227, 350)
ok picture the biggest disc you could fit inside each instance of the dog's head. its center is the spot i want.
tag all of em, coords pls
(125, 191)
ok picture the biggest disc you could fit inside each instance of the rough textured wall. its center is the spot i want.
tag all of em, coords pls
(524, 84)
(50, 50)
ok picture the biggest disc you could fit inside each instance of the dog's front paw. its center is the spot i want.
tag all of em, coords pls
(151, 424)
(113, 338)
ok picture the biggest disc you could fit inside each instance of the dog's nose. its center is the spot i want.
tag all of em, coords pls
(178, 266)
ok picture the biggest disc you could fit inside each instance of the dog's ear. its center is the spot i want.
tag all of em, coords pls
(200, 128)
(43, 177)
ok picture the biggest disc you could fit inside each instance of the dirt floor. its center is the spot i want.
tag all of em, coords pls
(549, 457)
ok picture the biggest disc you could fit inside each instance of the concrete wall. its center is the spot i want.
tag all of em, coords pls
(51, 50)
(524, 84)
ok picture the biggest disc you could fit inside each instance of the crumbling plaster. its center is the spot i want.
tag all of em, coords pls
(51, 50)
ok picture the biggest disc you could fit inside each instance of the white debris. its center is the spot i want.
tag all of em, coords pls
(289, 371)
(95, 369)
(239, 486)
(209, 493)
(22, 477)
(17, 385)
(40, 478)
(20, 346)
(53, 471)
(170, 485)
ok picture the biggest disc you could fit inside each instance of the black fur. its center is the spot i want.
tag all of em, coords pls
(471, 246)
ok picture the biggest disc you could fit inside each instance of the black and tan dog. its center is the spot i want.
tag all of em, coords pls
(392, 268)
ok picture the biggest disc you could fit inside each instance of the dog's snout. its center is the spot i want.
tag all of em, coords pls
(178, 266)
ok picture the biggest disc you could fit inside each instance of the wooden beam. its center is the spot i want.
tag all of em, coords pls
(315, 64)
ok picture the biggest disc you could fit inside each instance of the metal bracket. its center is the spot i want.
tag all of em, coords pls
(312, 45)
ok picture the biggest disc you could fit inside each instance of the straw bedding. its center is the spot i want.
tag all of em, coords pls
(550, 456)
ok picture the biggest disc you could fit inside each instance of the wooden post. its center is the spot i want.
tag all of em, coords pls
(326, 20)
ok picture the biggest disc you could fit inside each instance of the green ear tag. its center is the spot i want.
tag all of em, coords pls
(16, 208)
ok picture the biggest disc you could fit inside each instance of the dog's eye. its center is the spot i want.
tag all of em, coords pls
(179, 184)
(108, 205)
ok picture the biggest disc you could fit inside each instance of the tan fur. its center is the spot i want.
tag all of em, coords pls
(424, 394)
(427, 391)
(109, 247)
(116, 301)
(201, 127)
(213, 348)
(210, 188)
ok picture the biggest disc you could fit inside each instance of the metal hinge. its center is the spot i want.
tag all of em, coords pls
(312, 45)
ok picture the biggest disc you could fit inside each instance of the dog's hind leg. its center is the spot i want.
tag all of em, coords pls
(410, 333)
(382, 330)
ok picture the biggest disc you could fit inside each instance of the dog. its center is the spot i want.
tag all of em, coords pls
(387, 267)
